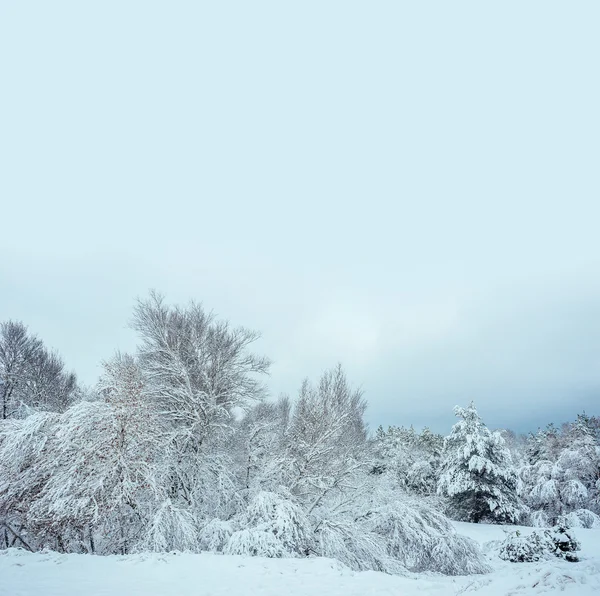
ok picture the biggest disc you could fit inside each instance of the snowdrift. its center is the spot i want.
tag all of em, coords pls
(53, 574)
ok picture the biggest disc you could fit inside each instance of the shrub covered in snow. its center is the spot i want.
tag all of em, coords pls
(376, 533)
(564, 542)
(525, 548)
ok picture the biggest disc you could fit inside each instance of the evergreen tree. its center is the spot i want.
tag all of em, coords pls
(478, 477)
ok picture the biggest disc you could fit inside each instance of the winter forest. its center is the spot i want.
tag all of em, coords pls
(178, 448)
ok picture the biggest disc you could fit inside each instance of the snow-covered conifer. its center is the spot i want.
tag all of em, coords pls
(478, 477)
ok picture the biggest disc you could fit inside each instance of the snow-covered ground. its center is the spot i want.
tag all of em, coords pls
(52, 574)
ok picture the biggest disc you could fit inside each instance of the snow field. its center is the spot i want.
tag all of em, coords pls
(182, 574)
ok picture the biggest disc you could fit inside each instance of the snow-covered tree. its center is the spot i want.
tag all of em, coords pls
(26, 463)
(413, 457)
(327, 440)
(176, 449)
(306, 461)
(313, 490)
(271, 526)
(198, 371)
(105, 452)
(478, 477)
(419, 537)
(31, 377)
(197, 368)
(563, 472)
(261, 440)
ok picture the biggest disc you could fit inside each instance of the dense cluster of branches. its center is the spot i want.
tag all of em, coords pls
(177, 449)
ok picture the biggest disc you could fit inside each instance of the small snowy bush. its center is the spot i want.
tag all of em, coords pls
(520, 548)
(564, 542)
(558, 541)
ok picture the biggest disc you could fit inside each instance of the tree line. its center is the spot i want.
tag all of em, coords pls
(176, 448)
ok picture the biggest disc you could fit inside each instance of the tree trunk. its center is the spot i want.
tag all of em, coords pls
(17, 535)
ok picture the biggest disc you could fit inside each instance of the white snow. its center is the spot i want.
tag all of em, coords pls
(53, 574)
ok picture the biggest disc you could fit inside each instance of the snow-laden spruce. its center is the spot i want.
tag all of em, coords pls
(477, 473)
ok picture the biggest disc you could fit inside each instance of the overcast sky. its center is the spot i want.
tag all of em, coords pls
(409, 188)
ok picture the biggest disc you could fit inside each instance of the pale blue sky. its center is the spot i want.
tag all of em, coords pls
(410, 188)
